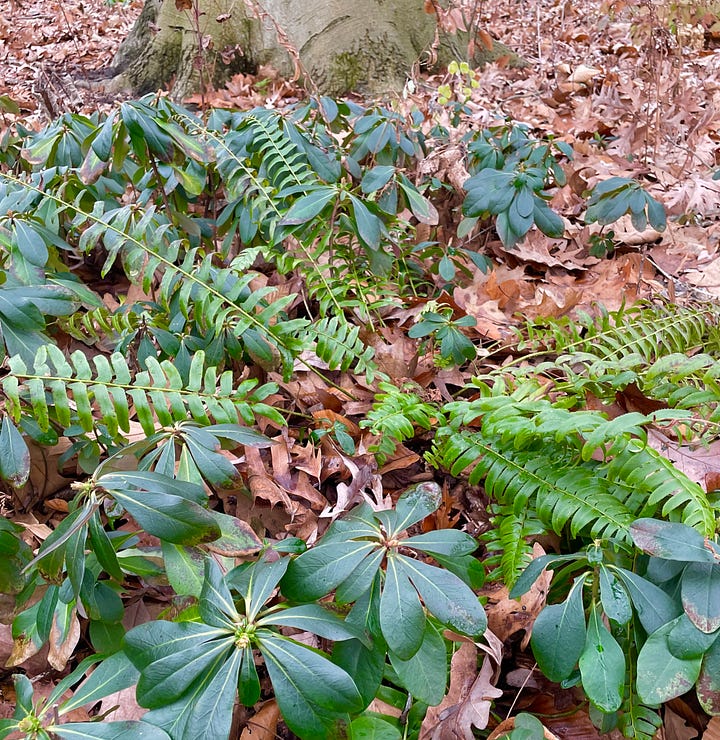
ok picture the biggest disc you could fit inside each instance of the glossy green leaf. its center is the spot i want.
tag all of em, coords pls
(614, 597)
(319, 570)
(660, 675)
(687, 641)
(653, 606)
(308, 207)
(602, 666)
(450, 542)
(113, 674)
(372, 727)
(314, 618)
(121, 730)
(171, 656)
(425, 673)
(446, 597)
(416, 503)
(14, 455)
(185, 567)
(559, 635)
(169, 517)
(312, 692)
(217, 608)
(672, 541)
(402, 618)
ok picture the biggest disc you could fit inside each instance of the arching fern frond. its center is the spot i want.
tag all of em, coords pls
(72, 392)
(338, 343)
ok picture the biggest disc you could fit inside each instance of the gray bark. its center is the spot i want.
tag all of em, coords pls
(343, 45)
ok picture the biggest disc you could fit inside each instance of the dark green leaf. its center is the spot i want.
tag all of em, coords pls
(416, 503)
(367, 223)
(687, 641)
(602, 666)
(402, 619)
(701, 595)
(446, 597)
(614, 598)
(124, 730)
(672, 541)
(313, 618)
(319, 570)
(306, 208)
(653, 606)
(424, 675)
(169, 517)
(312, 692)
(558, 637)
(660, 675)
(113, 674)
(216, 605)
(171, 656)
(372, 727)
(14, 455)
(376, 178)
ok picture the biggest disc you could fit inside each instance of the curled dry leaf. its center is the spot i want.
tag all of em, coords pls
(455, 722)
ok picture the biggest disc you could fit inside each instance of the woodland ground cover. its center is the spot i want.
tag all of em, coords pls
(289, 383)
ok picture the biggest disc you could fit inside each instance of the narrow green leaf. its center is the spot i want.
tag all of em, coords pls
(122, 730)
(216, 604)
(558, 637)
(313, 618)
(402, 618)
(113, 674)
(653, 606)
(14, 455)
(312, 692)
(446, 597)
(306, 208)
(614, 598)
(185, 567)
(319, 570)
(602, 666)
(416, 503)
(169, 517)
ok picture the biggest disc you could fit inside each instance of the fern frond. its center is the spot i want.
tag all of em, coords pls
(75, 393)
(654, 480)
(338, 343)
(394, 416)
(508, 540)
(563, 490)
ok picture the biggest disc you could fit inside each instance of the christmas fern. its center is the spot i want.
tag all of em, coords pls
(546, 467)
(71, 393)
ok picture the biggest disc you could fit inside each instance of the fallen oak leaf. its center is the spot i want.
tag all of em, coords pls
(473, 707)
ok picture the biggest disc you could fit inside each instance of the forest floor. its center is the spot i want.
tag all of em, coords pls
(633, 87)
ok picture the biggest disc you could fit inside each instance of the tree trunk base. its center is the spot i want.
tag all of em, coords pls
(343, 45)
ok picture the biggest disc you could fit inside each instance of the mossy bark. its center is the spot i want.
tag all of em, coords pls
(363, 45)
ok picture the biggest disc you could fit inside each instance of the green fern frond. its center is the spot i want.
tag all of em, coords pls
(338, 343)
(508, 540)
(394, 416)
(564, 491)
(75, 393)
(654, 480)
